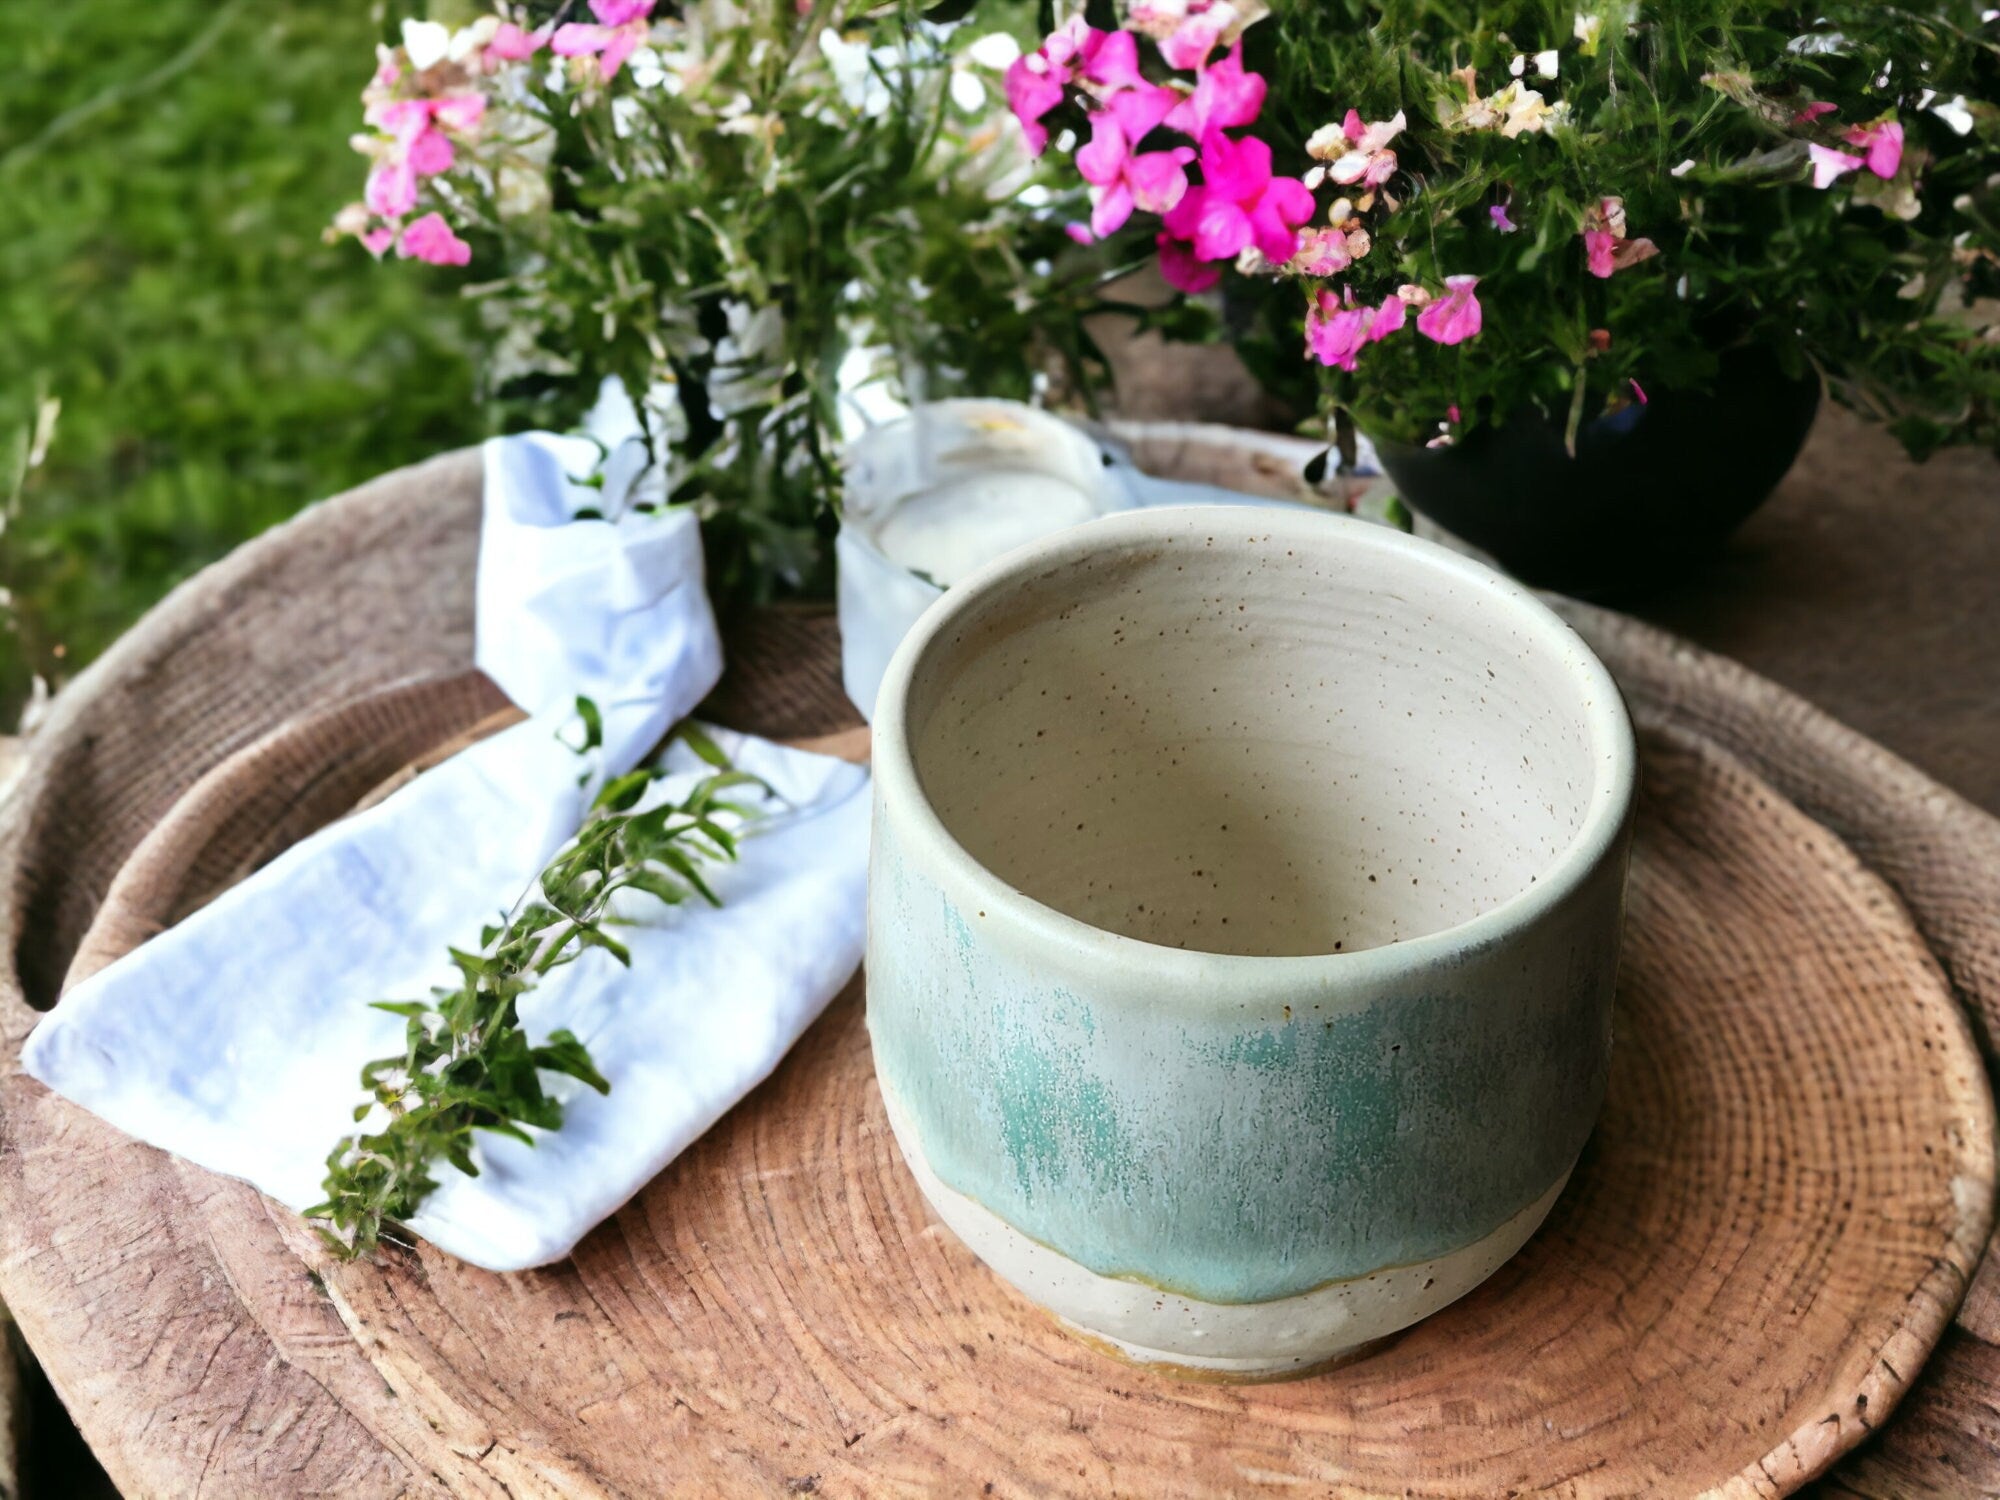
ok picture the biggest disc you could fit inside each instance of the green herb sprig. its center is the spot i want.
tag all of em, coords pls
(466, 1065)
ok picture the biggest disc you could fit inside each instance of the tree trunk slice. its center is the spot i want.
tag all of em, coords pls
(1775, 1220)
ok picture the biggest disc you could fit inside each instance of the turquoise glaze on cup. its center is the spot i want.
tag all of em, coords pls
(1244, 915)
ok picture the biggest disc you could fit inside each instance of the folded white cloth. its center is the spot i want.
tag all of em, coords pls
(236, 1039)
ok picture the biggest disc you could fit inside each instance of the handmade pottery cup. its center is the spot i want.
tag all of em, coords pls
(1243, 920)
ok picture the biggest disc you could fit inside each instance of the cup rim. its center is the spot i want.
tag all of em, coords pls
(1609, 729)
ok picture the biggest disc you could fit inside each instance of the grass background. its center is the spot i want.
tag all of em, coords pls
(166, 170)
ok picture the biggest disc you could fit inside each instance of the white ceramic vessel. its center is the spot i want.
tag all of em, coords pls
(1244, 917)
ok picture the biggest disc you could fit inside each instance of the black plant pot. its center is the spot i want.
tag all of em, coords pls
(1652, 490)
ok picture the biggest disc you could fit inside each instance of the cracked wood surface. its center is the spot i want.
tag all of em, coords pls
(760, 1318)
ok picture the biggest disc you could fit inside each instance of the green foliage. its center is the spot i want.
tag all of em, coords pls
(758, 194)
(466, 1064)
(165, 167)
(1886, 287)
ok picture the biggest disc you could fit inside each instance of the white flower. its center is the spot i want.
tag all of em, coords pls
(1587, 30)
(1328, 143)
(1955, 113)
(469, 41)
(1519, 65)
(1545, 63)
(1525, 110)
(995, 50)
(967, 92)
(426, 43)
(1684, 168)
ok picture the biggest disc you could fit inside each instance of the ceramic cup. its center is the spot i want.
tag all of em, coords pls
(1243, 919)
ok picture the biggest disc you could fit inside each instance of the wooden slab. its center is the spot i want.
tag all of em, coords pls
(758, 1323)
(1771, 1227)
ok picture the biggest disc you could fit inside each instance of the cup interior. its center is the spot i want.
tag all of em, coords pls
(1213, 732)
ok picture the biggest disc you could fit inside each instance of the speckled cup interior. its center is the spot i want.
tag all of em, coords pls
(1218, 745)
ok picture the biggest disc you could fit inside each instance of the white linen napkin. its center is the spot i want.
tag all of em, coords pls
(236, 1038)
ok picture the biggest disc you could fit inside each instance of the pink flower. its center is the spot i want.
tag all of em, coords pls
(391, 190)
(1240, 203)
(1883, 141)
(1079, 233)
(511, 44)
(1224, 96)
(1599, 248)
(429, 154)
(1337, 332)
(378, 239)
(623, 28)
(1813, 111)
(1123, 179)
(1830, 165)
(1033, 89)
(459, 112)
(1036, 82)
(1451, 414)
(1321, 252)
(1180, 268)
(1189, 30)
(1498, 214)
(1605, 247)
(1369, 161)
(1454, 317)
(431, 239)
(1638, 392)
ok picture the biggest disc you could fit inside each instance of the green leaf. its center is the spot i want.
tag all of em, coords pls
(466, 1065)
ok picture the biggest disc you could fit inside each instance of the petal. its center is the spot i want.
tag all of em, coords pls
(430, 154)
(1080, 233)
(1386, 319)
(1180, 269)
(1114, 60)
(1112, 207)
(621, 47)
(1350, 169)
(1599, 246)
(1813, 111)
(1102, 159)
(1378, 135)
(391, 190)
(620, 12)
(1238, 95)
(1158, 180)
(375, 241)
(1224, 229)
(1237, 170)
(461, 112)
(1885, 150)
(579, 39)
(430, 239)
(1830, 165)
(1032, 94)
(511, 44)
(405, 119)
(1351, 127)
(1181, 221)
(1191, 42)
(1141, 108)
(1454, 317)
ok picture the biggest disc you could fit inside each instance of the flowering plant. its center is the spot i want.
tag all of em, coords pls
(1433, 215)
(750, 213)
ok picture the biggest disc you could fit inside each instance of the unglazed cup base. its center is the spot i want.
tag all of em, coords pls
(1283, 1339)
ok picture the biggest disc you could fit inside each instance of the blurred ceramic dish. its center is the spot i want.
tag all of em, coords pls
(939, 492)
(1244, 917)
